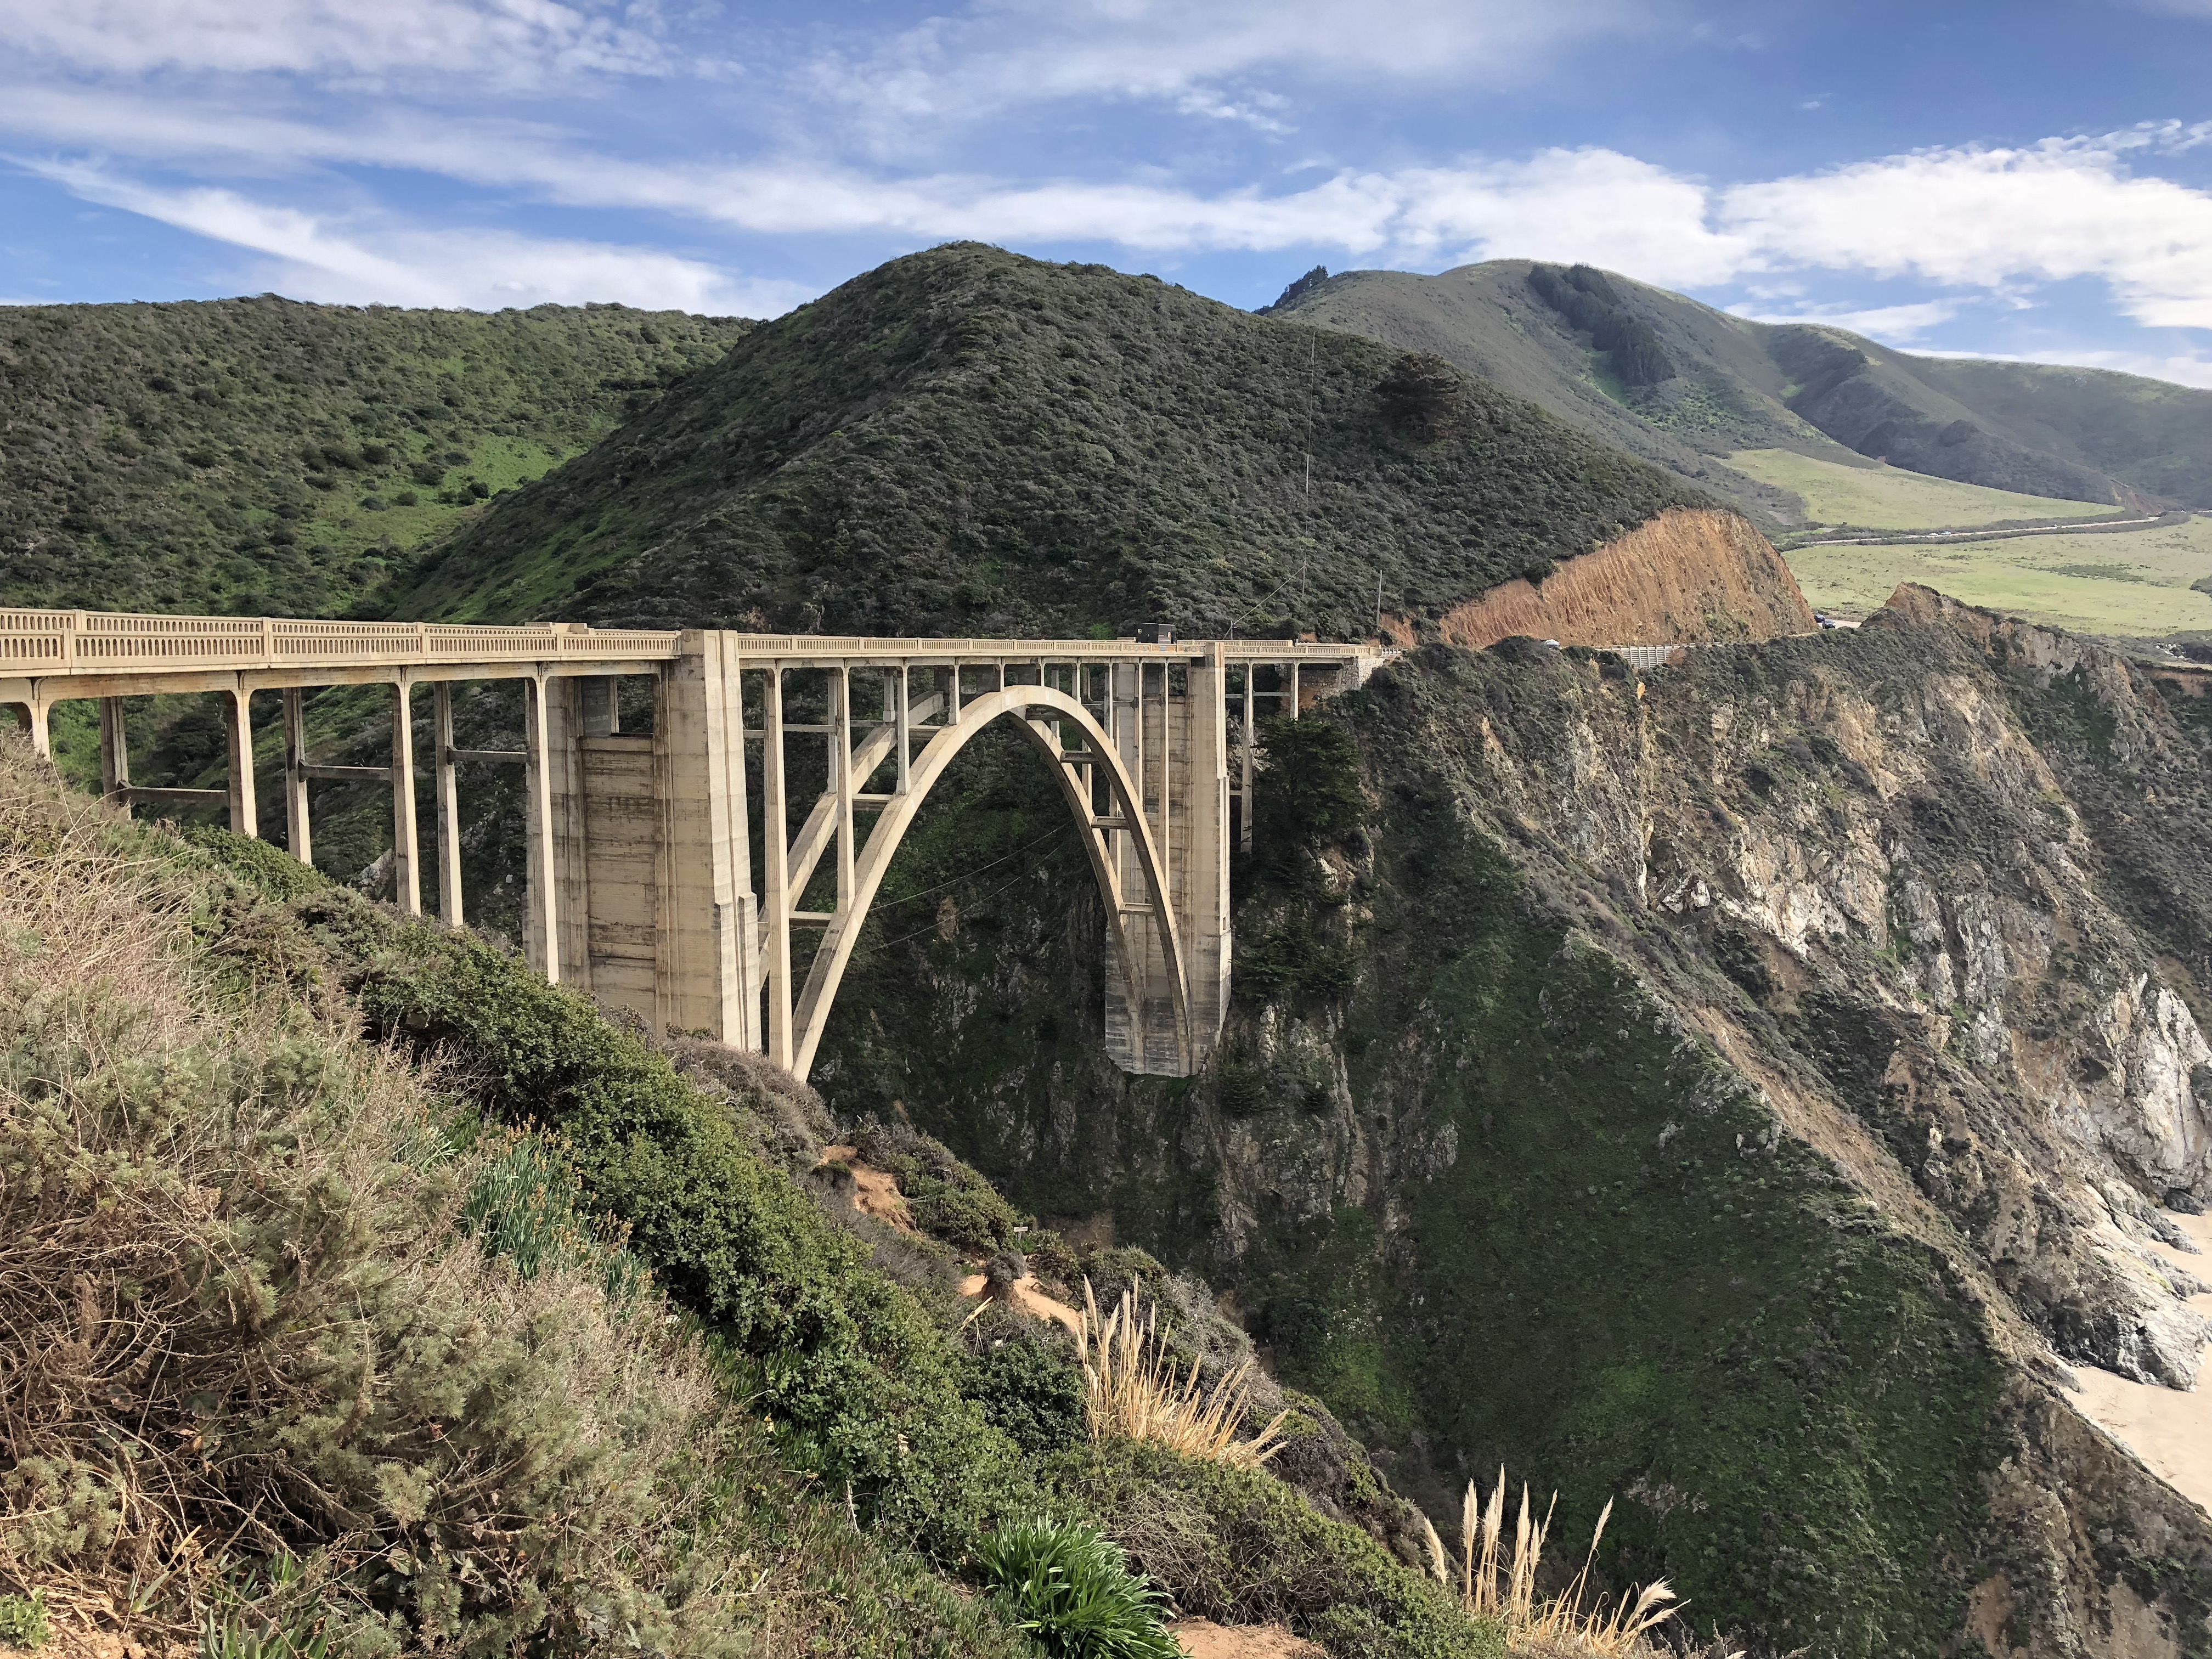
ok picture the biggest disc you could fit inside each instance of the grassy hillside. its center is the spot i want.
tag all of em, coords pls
(1884, 497)
(260, 456)
(2139, 583)
(967, 441)
(439, 1315)
(1685, 384)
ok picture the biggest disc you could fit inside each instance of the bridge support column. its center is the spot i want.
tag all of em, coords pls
(776, 870)
(298, 837)
(114, 749)
(407, 847)
(541, 931)
(704, 909)
(238, 727)
(1203, 912)
(574, 853)
(446, 785)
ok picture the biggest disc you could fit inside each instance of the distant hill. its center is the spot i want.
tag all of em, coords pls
(1681, 384)
(250, 456)
(965, 441)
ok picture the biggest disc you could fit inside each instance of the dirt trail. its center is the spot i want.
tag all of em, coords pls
(1202, 1638)
(1024, 1295)
(2170, 1430)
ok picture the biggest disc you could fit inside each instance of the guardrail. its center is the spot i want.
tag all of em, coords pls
(42, 643)
(58, 642)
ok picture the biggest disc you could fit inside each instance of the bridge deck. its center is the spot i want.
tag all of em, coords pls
(110, 645)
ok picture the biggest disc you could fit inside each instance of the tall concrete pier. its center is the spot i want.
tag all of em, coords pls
(656, 882)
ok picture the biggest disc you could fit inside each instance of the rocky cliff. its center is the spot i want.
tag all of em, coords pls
(1746, 1089)
(1691, 575)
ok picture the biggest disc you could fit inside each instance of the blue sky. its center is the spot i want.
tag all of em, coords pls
(2032, 178)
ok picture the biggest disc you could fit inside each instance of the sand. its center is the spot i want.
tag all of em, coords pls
(2170, 1430)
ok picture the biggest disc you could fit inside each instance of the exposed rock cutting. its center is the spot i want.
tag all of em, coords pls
(1692, 574)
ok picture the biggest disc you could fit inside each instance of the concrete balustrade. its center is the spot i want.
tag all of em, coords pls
(640, 878)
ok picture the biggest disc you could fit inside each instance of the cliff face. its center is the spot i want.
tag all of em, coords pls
(1741, 1091)
(1692, 574)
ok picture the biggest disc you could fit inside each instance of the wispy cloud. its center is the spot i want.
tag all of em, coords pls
(500, 41)
(1966, 218)
(1893, 325)
(318, 256)
(1025, 51)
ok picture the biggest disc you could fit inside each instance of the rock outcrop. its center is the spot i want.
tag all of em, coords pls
(1690, 575)
(1743, 1089)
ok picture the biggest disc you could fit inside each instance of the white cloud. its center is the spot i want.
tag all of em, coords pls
(488, 40)
(1019, 52)
(1894, 324)
(1991, 221)
(315, 257)
(1983, 218)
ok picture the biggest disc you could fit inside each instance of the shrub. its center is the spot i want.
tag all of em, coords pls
(23, 1621)
(1029, 1391)
(948, 1200)
(1071, 1591)
(860, 1381)
(1423, 397)
(1237, 1545)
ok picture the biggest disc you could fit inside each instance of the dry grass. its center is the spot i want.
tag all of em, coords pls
(1133, 1389)
(1499, 1583)
(237, 1325)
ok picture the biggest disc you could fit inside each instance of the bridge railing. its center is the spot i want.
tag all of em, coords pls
(39, 643)
(34, 643)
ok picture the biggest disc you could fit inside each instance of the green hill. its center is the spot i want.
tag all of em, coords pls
(967, 441)
(254, 456)
(1686, 386)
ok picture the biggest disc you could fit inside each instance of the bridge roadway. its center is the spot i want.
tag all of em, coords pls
(644, 847)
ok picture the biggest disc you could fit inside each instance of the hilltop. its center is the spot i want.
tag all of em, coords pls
(1686, 386)
(262, 455)
(966, 441)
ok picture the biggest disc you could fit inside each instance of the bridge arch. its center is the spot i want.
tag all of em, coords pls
(1041, 713)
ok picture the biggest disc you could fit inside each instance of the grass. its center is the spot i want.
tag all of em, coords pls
(2132, 584)
(1879, 496)
(1496, 1585)
(1132, 1391)
(1072, 1592)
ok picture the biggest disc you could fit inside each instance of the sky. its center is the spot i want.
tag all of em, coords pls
(2030, 178)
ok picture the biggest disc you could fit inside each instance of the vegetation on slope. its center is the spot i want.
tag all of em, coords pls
(296, 1363)
(965, 441)
(1843, 497)
(395, 1388)
(1735, 385)
(1582, 1248)
(261, 457)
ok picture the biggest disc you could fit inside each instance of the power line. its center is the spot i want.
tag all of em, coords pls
(887, 944)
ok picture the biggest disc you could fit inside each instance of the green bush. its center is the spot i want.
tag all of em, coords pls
(1239, 1546)
(860, 1381)
(1029, 1390)
(1073, 1593)
(23, 1621)
(948, 1200)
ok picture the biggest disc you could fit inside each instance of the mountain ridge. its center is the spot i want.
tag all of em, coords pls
(1729, 384)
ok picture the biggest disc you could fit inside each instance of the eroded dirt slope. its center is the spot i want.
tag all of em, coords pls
(1690, 575)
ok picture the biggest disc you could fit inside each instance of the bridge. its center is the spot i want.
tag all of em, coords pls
(653, 885)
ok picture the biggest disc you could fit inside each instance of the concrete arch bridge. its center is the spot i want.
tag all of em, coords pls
(656, 883)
